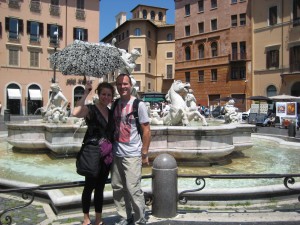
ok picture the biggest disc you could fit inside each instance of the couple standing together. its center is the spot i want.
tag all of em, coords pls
(130, 152)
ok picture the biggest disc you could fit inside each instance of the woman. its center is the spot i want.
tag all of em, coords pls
(100, 125)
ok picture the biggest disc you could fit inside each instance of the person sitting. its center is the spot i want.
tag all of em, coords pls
(269, 120)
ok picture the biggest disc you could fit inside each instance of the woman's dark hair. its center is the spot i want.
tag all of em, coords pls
(103, 85)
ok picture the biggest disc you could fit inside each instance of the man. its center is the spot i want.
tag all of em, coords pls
(130, 153)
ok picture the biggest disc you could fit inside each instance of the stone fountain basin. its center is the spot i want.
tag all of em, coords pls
(193, 143)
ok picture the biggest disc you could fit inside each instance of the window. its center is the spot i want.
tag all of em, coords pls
(187, 53)
(149, 85)
(201, 51)
(80, 34)
(243, 50)
(234, 22)
(13, 57)
(138, 85)
(234, 51)
(187, 77)
(273, 15)
(127, 33)
(169, 55)
(238, 72)
(234, 73)
(137, 68)
(243, 72)
(296, 12)
(201, 75)
(273, 58)
(149, 34)
(54, 2)
(149, 67)
(80, 4)
(200, 6)
(152, 15)
(54, 32)
(169, 71)
(214, 4)
(149, 53)
(160, 16)
(123, 35)
(243, 19)
(35, 30)
(144, 14)
(214, 24)
(14, 27)
(271, 91)
(201, 27)
(214, 74)
(137, 32)
(187, 10)
(214, 49)
(187, 31)
(295, 58)
(233, 1)
(169, 37)
(34, 59)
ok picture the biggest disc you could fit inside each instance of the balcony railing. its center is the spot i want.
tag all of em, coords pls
(295, 67)
(34, 39)
(80, 14)
(15, 4)
(238, 56)
(13, 37)
(35, 6)
(54, 10)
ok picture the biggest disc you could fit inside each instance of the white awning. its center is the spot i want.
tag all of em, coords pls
(14, 93)
(35, 94)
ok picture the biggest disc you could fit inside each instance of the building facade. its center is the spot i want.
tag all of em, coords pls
(213, 49)
(276, 47)
(32, 30)
(148, 32)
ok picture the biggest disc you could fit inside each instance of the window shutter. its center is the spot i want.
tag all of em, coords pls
(277, 58)
(48, 30)
(60, 32)
(41, 27)
(7, 23)
(28, 26)
(74, 33)
(21, 26)
(268, 60)
(85, 34)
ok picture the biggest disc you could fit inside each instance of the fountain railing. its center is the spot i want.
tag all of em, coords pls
(28, 193)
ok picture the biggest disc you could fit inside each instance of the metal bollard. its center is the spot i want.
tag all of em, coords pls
(6, 115)
(292, 129)
(164, 186)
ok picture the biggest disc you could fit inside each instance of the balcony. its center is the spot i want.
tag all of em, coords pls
(295, 67)
(34, 39)
(54, 10)
(80, 14)
(15, 4)
(35, 6)
(13, 37)
(238, 57)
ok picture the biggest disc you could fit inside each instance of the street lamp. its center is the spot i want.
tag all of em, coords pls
(55, 33)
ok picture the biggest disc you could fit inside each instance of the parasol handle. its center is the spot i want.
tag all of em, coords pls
(84, 82)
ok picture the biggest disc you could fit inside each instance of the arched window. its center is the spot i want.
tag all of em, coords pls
(144, 14)
(169, 37)
(137, 32)
(160, 16)
(152, 15)
(201, 51)
(187, 53)
(214, 49)
(271, 91)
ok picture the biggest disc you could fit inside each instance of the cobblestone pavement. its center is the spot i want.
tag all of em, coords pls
(275, 211)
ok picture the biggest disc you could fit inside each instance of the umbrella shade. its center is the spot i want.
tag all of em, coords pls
(259, 98)
(285, 98)
(84, 58)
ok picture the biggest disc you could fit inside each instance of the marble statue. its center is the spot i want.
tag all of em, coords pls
(55, 110)
(231, 112)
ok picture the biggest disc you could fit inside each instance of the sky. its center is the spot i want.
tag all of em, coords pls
(110, 8)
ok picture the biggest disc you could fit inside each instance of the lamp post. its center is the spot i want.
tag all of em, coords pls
(55, 33)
